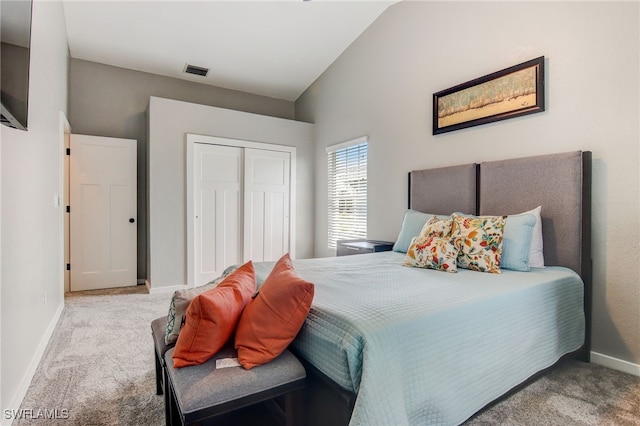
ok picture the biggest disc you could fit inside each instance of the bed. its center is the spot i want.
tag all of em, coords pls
(386, 344)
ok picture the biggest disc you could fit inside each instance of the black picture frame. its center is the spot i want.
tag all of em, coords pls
(508, 93)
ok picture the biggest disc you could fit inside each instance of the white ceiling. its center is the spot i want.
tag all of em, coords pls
(271, 48)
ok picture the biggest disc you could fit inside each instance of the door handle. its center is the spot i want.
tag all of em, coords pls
(131, 220)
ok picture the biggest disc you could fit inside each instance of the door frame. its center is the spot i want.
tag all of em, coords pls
(63, 201)
(193, 139)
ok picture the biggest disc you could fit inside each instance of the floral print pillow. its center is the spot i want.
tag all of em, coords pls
(478, 240)
(433, 253)
(436, 227)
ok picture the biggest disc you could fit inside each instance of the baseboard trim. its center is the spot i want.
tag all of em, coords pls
(615, 363)
(167, 289)
(16, 401)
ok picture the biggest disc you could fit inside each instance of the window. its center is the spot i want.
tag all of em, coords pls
(347, 167)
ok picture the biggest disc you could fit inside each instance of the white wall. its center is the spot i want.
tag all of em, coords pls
(32, 286)
(382, 87)
(169, 122)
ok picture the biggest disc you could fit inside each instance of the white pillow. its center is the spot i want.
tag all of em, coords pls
(536, 253)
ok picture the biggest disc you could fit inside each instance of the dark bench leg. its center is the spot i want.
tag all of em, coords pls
(170, 408)
(293, 406)
(159, 375)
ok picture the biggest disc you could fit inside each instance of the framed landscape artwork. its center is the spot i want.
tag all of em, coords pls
(511, 92)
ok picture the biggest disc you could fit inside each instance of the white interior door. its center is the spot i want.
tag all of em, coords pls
(103, 212)
(266, 204)
(217, 206)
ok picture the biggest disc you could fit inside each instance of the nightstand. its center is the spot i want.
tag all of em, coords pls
(361, 245)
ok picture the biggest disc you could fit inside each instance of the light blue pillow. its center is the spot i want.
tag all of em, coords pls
(412, 224)
(516, 241)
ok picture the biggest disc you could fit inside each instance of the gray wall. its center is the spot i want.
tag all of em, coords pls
(111, 101)
(382, 87)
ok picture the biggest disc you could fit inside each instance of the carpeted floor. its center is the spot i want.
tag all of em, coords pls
(98, 365)
(98, 370)
(573, 393)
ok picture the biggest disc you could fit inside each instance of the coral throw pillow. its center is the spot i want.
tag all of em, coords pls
(273, 318)
(212, 317)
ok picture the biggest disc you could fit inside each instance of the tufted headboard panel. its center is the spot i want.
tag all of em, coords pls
(443, 190)
(560, 183)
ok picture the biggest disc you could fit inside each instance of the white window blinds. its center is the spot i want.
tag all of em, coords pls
(347, 167)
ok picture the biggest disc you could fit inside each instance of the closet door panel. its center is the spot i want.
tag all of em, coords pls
(217, 209)
(266, 204)
(278, 237)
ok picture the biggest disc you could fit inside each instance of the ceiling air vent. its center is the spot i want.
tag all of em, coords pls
(192, 69)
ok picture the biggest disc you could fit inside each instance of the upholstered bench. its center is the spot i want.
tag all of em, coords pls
(158, 330)
(197, 393)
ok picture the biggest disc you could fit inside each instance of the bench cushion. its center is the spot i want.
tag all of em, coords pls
(204, 391)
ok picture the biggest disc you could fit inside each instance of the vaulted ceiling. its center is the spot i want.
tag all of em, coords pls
(271, 48)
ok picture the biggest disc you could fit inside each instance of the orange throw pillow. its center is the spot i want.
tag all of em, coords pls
(212, 317)
(273, 318)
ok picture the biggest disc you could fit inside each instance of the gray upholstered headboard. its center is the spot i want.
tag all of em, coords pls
(444, 190)
(560, 183)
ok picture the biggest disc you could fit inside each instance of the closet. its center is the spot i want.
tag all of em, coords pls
(239, 204)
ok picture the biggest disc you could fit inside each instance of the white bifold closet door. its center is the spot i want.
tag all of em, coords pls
(241, 205)
(266, 204)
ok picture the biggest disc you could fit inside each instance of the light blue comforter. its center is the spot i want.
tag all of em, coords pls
(425, 347)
